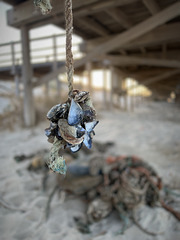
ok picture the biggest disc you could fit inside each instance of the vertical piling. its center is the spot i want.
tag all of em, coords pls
(27, 74)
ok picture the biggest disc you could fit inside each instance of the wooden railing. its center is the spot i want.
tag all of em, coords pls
(42, 49)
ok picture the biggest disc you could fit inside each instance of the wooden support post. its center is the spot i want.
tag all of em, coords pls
(120, 91)
(112, 86)
(124, 98)
(89, 76)
(105, 86)
(13, 69)
(55, 63)
(29, 111)
(16, 79)
(47, 89)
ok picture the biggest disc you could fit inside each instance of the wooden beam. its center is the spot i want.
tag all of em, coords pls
(170, 54)
(152, 6)
(122, 38)
(119, 17)
(91, 24)
(25, 12)
(129, 60)
(143, 50)
(101, 6)
(159, 35)
(160, 77)
(29, 111)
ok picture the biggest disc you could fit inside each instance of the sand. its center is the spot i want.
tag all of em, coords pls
(151, 132)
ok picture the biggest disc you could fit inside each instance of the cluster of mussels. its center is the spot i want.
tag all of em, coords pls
(71, 124)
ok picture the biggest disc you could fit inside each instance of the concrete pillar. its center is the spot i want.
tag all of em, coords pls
(27, 74)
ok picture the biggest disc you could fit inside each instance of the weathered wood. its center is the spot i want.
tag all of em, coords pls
(17, 81)
(91, 24)
(112, 70)
(105, 85)
(161, 54)
(13, 69)
(89, 76)
(25, 12)
(160, 77)
(130, 60)
(159, 35)
(120, 17)
(29, 111)
(122, 38)
(152, 6)
(55, 59)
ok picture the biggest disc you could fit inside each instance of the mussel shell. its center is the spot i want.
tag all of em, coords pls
(48, 132)
(89, 115)
(88, 140)
(76, 148)
(57, 134)
(90, 125)
(81, 96)
(80, 131)
(75, 115)
(69, 133)
(57, 111)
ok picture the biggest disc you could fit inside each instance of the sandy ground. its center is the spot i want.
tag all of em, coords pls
(151, 132)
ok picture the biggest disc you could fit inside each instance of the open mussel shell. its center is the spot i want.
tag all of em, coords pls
(75, 115)
(48, 132)
(88, 109)
(90, 125)
(80, 131)
(69, 133)
(88, 140)
(76, 148)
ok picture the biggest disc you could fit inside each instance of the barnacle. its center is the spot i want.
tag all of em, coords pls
(44, 5)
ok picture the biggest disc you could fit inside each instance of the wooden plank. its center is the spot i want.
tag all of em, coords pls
(26, 13)
(119, 17)
(129, 60)
(160, 77)
(160, 35)
(29, 111)
(91, 24)
(122, 38)
(170, 54)
(152, 6)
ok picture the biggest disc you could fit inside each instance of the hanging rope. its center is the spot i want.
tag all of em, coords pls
(69, 55)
